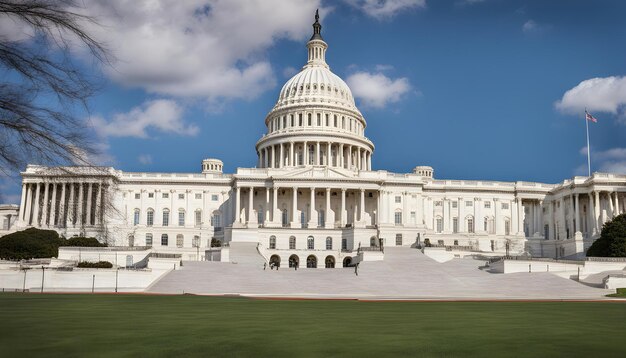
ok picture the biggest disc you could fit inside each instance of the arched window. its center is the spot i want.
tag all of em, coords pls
(311, 261)
(136, 217)
(470, 224)
(164, 240)
(166, 217)
(329, 262)
(198, 217)
(439, 223)
(292, 243)
(150, 217)
(149, 240)
(329, 243)
(180, 240)
(273, 242)
(310, 243)
(181, 217)
(294, 261)
(398, 217)
(216, 219)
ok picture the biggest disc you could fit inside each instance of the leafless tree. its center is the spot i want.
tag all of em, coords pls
(42, 86)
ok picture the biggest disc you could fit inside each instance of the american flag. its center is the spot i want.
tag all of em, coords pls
(589, 117)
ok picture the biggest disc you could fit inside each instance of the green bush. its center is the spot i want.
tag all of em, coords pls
(612, 241)
(83, 242)
(30, 243)
(99, 264)
(216, 243)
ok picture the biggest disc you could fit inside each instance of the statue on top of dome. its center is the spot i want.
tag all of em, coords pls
(317, 27)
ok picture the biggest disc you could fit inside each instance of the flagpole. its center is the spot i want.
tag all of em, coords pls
(588, 149)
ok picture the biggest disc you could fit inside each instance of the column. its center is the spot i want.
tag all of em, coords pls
(46, 197)
(81, 197)
(617, 208)
(281, 161)
(294, 208)
(405, 208)
(275, 205)
(267, 207)
(266, 157)
(520, 217)
(359, 161)
(479, 218)
(237, 206)
(61, 221)
(611, 207)
(596, 219)
(23, 202)
(343, 207)
(251, 218)
(577, 220)
(540, 223)
(328, 157)
(369, 161)
(349, 157)
(273, 158)
(562, 217)
(98, 215)
(29, 203)
(327, 222)
(446, 214)
(36, 209)
(362, 206)
(462, 224)
(419, 209)
(341, 156)
(89, 203)
(312, 221)
(292, 159)
(317, 153)
(496, 216)
(305, 149)
(53, 206)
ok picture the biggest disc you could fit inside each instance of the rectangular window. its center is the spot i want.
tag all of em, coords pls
(505, 206)
(164, 240)
(455, 225)
(292, 121)
(150, 218)
(180, 241)
(136, 217)
(470, 225)
(319, 120)
(166, 218)
(149, 240)
(198, 217)
(214, 197)
(487, 204)
(181, 196)
(455, 204)
(507, 227)
(216, 220)
(181, 218)
(439, 224)
(398, 218)
(329, 243)
(398, 199)
(413, 219)
(309, 123)
(137, 196)
(310, 243)
(300, 119)
(335, 121)
(165, 195)
(150, 195)
(292, 243)
(398, 239)
(469, 203)
(198, 196)
(327, 120)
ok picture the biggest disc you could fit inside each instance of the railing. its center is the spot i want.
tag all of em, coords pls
(371, 248)
(541, 259)
(158, 255)
(107, 248)
(606, 259)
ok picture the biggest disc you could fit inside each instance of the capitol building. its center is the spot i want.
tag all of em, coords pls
(314, 199)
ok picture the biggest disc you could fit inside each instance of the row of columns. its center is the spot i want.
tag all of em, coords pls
(65, 204)
(290, 154)
(276, 217)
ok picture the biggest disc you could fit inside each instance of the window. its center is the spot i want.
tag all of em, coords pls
(150, 195)
(196, 241)
(319, 120)
(310, 243)
(344, 244)
(214, 197)
(198, 196)
(455, 204)
(327, 120)
(398, 218)
(398, 199)
(285, 219)
(164, 240)
(137, 196)
(335, 121)
(455, 225)
(321, 221)
(180, 240)
(398, 239)
(546, 232)
(131, 240)
(456, 242)
(292, 243)
(181, 217)
(470, 224)
(439, 224)
(507, 227)
(309, 119)
(413, 217)
(300, 119)
(166, 217)
(181, 196)
(198, 217)
(329, 243)
(505, 206)
(136, 217)
(440, 243)
(487, 204)
(149, 240)
(273, 242)
(150, 217)
(469, 203)
(165, 195)
(216, 219)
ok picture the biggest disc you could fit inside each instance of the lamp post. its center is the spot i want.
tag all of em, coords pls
(24, 284)
(43, 274)
(117, 271)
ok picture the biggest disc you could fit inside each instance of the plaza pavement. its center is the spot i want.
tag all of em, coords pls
(404, 274)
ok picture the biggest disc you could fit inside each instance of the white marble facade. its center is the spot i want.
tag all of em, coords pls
(314, 190)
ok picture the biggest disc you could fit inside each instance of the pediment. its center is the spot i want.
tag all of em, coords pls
(318, 172)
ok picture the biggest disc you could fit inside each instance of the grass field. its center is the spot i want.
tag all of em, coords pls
(178, 326)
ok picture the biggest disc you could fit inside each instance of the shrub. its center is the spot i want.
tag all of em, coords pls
(84, 242)
(30, 243)
(99, 264)
(612, 241)
(216, 243)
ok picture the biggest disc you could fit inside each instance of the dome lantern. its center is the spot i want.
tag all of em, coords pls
(316, 45)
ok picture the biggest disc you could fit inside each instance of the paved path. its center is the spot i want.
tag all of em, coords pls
(405, 274)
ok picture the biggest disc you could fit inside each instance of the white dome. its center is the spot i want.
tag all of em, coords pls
(316, 84)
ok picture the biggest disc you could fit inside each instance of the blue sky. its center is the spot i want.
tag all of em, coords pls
(488, 89)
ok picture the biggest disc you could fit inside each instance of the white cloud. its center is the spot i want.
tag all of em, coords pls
(198, 48)
(608, 161)
(159, 115)
(289, 71)
(377, 90)
(145, 159)
(601, 94)
(385, 9)
(530, 26)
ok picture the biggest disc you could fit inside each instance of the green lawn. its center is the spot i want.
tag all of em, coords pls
(621, 293)
(178, 326)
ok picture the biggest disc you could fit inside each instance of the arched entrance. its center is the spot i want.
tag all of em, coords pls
(329, 262)
(294, 261)
(347, 262)
(311, 261)
(275, 260)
